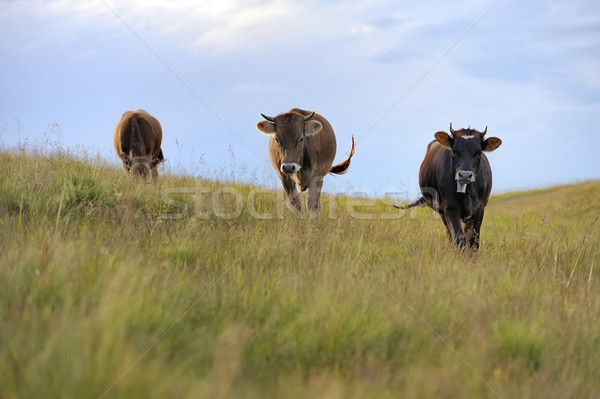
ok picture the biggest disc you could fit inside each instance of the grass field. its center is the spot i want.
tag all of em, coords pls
(110, 288)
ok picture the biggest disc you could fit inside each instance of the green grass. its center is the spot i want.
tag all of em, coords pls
(118, 289)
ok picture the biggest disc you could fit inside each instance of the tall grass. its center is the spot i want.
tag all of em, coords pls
(114, 288)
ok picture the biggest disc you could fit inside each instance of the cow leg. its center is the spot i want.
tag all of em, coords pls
(448, 232)
(453, 224)
(314, 195)
(468, 229)
(295, 201)
(154, 172)
(473, 227)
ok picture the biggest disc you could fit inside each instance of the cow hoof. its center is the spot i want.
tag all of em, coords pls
(296, 210)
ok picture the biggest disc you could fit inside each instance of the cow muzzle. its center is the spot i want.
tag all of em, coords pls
(289, 168)
(463, 177)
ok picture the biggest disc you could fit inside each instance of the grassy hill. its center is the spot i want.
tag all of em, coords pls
(110, 288)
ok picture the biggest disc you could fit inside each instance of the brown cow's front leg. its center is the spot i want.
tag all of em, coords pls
(453, 224)
(295, 200)
(314, 195)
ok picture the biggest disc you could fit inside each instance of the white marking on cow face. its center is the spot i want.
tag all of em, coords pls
(289, 168)
(467, 137)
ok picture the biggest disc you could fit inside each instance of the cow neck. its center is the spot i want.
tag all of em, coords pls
(467, 205)
(305, 157)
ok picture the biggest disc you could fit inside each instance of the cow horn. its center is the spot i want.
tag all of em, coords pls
(484, 132)
(308, 117)
(269, 118)
(452, 130)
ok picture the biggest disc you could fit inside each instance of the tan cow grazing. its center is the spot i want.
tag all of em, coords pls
(302, 148)
(137, 142)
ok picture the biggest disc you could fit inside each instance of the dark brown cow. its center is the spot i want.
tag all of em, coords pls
(137, 142)
(302, 148)
(456, 181)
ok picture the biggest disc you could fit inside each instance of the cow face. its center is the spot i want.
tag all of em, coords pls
(289, 131)
(467, 146)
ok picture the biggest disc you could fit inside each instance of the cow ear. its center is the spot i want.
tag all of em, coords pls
(126, 159)
(444, 139)
(491, 144)
(312, 127)
(266, 127)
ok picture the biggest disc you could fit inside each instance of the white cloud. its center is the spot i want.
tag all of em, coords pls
(214, 25)
(249, 28)
(80, 9)
(220, 26)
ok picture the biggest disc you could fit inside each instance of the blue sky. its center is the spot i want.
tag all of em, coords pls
(390, 72)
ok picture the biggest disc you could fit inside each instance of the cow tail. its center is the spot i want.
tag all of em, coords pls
(342, 167)
(419, 202)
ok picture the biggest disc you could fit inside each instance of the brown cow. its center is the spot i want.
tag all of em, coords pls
(302, 148)
(137, 142)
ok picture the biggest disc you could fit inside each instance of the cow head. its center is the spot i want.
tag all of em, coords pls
(139, 166)
(466, 146)
(289, 132)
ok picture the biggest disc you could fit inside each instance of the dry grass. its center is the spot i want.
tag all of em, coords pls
(101, 296)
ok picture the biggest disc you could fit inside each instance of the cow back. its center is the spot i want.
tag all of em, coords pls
(138, 134)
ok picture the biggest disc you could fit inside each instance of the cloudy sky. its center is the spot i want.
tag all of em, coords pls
(391, 73)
